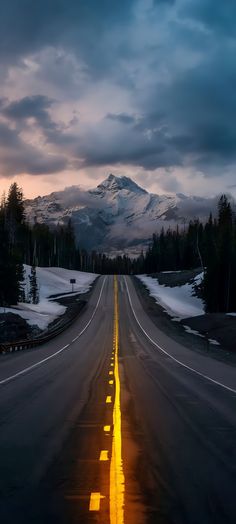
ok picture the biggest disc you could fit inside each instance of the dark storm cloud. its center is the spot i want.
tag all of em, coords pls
(127, 147)
(16, 154)
(190, 119)
(157, 3)
(123, 118)
(30, 107)
(26, 27)
(175, 60)
(216, 15)
(201, 105)
(18, 157)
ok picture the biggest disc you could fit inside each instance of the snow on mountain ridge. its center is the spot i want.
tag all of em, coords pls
(117, 214)
(115, 183)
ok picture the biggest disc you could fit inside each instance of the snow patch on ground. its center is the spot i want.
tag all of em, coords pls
(191, 331)
(177, 301)
(213, 342)
(51, 281)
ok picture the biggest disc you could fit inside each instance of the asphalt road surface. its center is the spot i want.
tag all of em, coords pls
(115, 422)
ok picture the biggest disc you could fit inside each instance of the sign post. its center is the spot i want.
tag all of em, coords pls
(72, 282)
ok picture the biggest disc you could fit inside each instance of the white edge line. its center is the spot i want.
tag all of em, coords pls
(171, 356)
(23, 371)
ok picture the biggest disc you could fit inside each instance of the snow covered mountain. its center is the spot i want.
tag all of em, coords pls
(118, 215)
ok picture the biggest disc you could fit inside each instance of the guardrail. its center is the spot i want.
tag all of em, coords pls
(61, 325)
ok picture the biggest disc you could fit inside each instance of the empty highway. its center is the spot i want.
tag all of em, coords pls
(115, 422)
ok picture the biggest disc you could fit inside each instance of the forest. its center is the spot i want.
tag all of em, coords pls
(210, 246)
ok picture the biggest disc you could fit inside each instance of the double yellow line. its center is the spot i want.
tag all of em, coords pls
(117, 479)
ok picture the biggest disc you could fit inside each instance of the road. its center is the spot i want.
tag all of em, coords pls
(115, 422)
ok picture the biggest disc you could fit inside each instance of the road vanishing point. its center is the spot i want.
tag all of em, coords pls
(114, 422)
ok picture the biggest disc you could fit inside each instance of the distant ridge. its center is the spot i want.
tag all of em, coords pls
(118, 215)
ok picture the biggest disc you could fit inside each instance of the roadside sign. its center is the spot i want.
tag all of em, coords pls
(72, 282)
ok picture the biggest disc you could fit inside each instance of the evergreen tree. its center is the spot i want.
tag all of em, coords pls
(218, 285)
(211, 273)
(12, 247)
(225, 252)
(33, 291)
(15, 214)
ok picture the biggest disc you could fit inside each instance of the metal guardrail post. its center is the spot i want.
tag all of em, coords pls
(27, 344)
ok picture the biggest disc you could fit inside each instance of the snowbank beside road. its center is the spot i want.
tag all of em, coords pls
(51, 281)
(177, 301)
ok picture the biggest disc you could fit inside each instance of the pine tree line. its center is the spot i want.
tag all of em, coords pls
(36, 246)
(174, 250)
(12, 247)
(219, 284)
(211, 246)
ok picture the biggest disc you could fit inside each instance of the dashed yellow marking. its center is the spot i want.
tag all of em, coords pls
(94, 502)
(104, 455)
(117, 479)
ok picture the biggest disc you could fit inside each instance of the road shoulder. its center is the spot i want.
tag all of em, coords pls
(176, 331)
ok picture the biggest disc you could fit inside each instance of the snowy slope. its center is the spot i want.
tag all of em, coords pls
(117, 214)
(51, 281)
(179, 301)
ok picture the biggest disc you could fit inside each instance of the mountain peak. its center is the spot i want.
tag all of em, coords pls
(118, 214)
(117, 183)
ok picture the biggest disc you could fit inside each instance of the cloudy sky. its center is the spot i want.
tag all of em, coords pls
(144, 88)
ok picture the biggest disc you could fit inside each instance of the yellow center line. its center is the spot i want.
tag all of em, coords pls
(111, 382)
(110, 372)
(107, 428)
(108, 399)
(117, 479)
(104, 454)
(94, 502)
